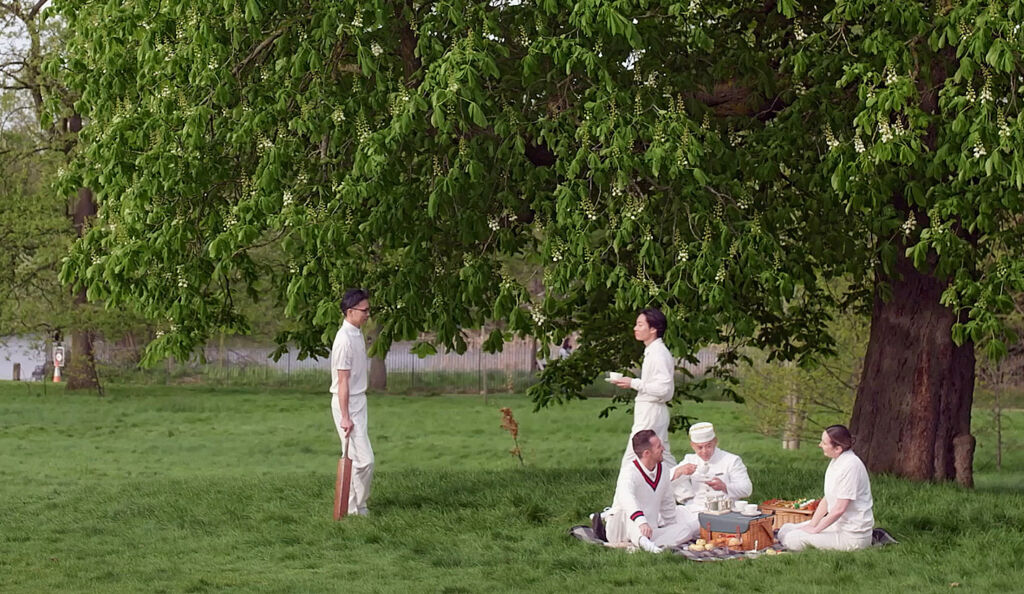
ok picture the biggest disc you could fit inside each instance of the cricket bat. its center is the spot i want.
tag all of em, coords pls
(343, 484)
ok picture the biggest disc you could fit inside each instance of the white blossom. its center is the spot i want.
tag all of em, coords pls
(890, 75)
(910, 224)
(986, 94)
(884, 131)
(830, 138)
(979, 149)
(1004, 128)
(971, 96)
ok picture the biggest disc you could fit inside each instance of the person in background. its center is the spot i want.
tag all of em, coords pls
(566, 349)
(709, 470)
(844, 519)
(348, 400)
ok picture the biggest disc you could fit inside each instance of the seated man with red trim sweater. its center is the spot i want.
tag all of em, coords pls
(644, 509)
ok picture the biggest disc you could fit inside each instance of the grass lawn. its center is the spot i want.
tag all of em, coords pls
(189, 489)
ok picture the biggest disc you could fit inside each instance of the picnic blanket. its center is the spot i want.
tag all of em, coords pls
(879, 537)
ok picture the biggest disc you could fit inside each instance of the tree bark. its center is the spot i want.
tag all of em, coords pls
(793, 428)
(82, 362)
(378, 377)
(912, 416)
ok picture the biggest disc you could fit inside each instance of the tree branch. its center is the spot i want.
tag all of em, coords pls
(256, 51)
(35, 9)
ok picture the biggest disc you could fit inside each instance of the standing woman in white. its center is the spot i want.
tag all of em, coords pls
(348, 400)
(656, 384)
(844, 519)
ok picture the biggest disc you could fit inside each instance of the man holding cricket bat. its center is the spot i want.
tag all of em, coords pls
(348, 404)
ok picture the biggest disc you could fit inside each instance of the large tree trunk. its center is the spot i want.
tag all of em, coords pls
(912, 416)
(794, 421)
(82, 363)
(378, 376)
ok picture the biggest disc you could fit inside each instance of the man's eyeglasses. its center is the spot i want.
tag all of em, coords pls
(362, 309)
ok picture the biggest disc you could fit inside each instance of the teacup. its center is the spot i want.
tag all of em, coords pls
(739, 505)
(750, 509)
(614, 375)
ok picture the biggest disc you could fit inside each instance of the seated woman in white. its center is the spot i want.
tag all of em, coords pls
(843, 520)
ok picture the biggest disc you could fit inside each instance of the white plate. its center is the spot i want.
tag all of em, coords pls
(757, 513)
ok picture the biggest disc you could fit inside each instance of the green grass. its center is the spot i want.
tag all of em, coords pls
(191, 489)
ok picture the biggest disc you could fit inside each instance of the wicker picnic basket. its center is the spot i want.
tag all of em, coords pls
(757, 536)
(786, 515)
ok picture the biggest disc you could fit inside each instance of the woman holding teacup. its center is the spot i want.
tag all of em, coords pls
(844, 519)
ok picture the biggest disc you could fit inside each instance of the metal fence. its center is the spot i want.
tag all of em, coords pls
(246, 363)
(512, 370)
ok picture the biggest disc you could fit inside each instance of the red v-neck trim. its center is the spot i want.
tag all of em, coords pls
(657, 477)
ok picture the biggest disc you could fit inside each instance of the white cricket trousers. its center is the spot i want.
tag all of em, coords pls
(359, 451)
(619, 528)
(830, 538)
(653, 416)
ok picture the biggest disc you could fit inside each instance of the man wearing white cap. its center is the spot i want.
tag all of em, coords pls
(644, 511)
(708, 470)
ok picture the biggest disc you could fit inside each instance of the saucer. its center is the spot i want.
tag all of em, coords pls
(757, 513)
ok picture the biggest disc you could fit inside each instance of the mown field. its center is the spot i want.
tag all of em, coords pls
(191, 489)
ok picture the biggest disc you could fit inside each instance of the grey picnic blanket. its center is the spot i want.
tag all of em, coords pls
(879, 537)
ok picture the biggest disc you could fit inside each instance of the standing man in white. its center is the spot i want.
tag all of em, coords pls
(644, 510)
(656, 384)
(348, 401)
(708, 471)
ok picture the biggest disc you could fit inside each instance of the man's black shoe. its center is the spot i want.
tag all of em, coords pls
(598, 526)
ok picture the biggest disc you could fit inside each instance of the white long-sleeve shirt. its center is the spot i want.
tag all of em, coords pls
(657, 381)
(645, 496)
(723, 465)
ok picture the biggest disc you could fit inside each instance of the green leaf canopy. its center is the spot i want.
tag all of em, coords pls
(726, 161)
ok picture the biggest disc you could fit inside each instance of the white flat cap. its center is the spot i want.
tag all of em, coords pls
(702, 432)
